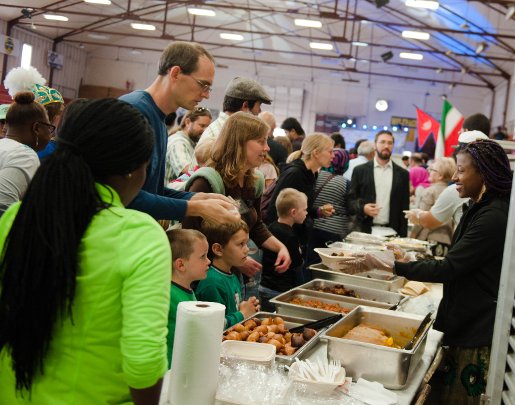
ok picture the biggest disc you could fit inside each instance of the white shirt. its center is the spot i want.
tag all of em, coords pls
(360, 160)
(383, 177)
(213, 130)
(18, 163)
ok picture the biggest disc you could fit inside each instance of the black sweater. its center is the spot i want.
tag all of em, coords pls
(470, 274)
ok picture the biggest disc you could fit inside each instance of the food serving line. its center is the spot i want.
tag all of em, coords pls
(400, 350)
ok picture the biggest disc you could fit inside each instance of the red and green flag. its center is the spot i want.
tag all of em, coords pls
(450, 125)
(426, 125)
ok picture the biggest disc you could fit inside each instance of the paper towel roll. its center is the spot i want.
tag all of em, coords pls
(196, 353)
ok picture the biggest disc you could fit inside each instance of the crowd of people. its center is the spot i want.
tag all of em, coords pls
(90, 281)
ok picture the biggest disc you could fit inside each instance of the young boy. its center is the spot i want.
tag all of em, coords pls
(291, 206)
(228, 249)
(190, 263)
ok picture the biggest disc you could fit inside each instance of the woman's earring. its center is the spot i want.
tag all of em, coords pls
(129, 175)
(37, 140)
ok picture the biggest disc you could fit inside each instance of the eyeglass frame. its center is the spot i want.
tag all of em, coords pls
(204, 86)
(48, 125)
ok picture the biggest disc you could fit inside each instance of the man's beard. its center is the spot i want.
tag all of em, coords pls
(194, 137)
(385, 155)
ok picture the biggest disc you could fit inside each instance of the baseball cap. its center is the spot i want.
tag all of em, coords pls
(3, 110)
(471, 136)
(244, 88)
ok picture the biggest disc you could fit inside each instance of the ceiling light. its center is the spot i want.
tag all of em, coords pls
(136, 52)
(387, 56)
(98, 36)
(308, 23)
(439, 70)
(432, 5)
(510, 12)
(381, 105)
(55, 17)
(416, 35)
(145, 27)
(481, 47)
(201, 11)
(105, 2)
(234, 37)
(358, 43)
(412, 56)
(321, 45)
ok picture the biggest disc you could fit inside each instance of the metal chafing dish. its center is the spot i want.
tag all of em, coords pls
(283, 306)
(291, 322)
(376, 279)
(387, 365)
(367, 296)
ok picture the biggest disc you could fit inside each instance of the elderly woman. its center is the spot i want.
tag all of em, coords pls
(84, 282)
(232, 170)
(28, 131)
(440, 174)
(471, 270)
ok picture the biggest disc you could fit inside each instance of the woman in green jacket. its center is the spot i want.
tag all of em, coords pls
(84, 282)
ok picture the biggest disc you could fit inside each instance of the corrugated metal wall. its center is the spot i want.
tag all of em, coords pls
(68, 79)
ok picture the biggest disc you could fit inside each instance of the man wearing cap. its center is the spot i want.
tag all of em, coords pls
(241, 94)
(448, 205)
(185, 75)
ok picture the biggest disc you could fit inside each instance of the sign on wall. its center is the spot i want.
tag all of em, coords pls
(55, 60)
(10, 45)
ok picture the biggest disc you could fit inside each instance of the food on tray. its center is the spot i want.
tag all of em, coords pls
(338, 289)
(365, 237)
(370, 334)
(335, 307)
(414, 288)
(272, 331)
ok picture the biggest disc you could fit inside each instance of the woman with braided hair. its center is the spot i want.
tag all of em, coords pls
(84, 282)
(471, 270)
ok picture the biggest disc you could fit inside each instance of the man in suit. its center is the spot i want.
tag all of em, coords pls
(380, 189)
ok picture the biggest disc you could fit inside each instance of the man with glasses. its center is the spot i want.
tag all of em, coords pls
(380, 190)
(185, 75)
(241, 94)
(180, 154)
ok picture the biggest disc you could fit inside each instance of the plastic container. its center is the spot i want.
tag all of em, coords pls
(234, 351)
(317, 387)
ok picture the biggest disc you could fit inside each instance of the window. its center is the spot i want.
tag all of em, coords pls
(26, 55)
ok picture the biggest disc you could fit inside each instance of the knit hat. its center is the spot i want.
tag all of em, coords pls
(340, 161)
(244, 88)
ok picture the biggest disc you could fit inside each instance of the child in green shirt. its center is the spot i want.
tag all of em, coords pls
(228, 249)
(190, 263)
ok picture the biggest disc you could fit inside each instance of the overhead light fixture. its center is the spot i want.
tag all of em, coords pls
(144, 27)
(379, 3)
(98, 36)
(307, 23)
(412, 56)
(439, 70)
(55, 17)
(381, 105)
(136, 52)
(464, 26)
(201, 11)
(452, 86)
(104, 2)
(510, 12)
(234, 37)
(321, 45)
(481, 47)
(432, 5)
(416, 35)
(81, 45)
(358, 43)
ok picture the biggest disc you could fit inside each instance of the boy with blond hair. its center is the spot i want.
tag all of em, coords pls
(190, 263)
(227, 249)
(291, 206)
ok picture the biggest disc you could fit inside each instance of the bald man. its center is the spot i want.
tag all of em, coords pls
(277, 152)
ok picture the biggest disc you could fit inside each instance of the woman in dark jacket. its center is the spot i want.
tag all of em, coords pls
(471, 270)
(301, 174)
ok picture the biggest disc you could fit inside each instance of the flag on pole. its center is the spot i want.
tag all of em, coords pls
(426, 125)
(450, 125)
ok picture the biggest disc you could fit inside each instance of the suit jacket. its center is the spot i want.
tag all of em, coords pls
(363, 191)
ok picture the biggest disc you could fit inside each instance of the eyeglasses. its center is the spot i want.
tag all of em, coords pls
(51, 128)
(204, 86)
(201, 109)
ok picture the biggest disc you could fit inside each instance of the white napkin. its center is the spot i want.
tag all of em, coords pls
(372, 393)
